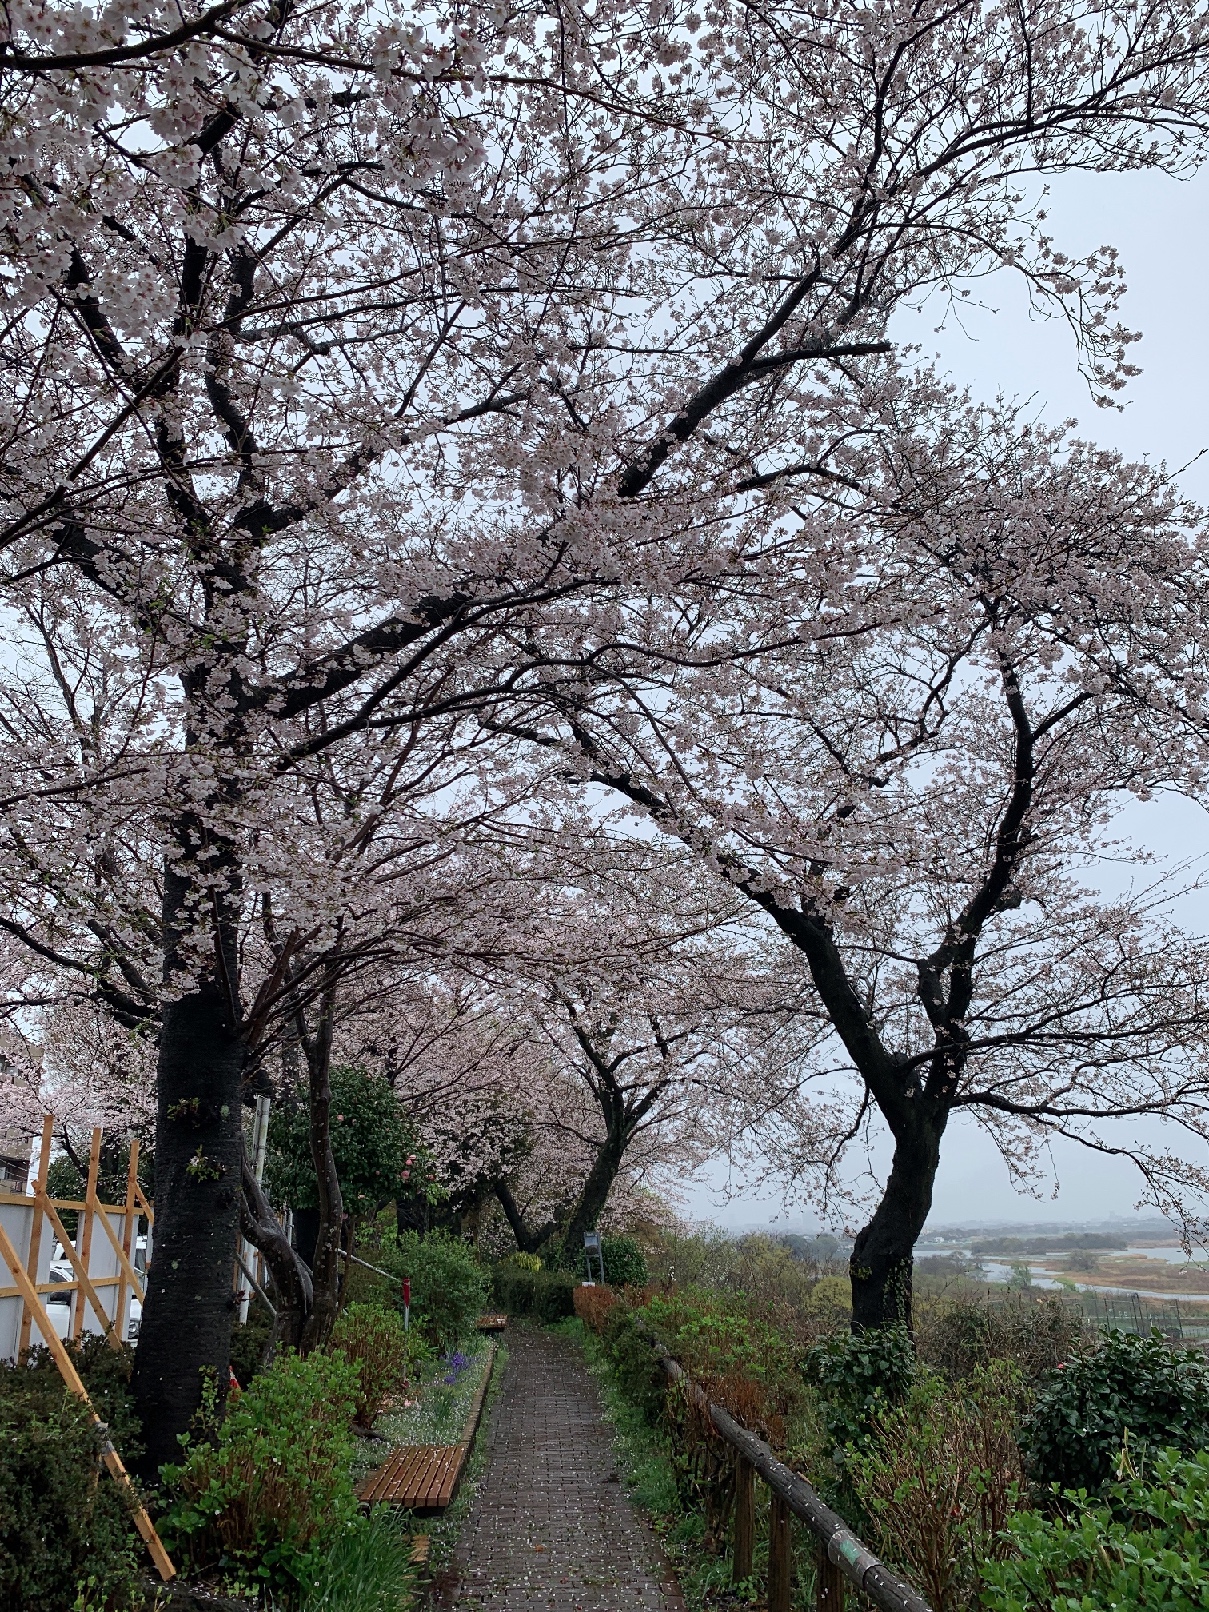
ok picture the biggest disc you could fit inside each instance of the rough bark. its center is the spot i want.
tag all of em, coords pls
(882, 1257)
(187, 1317)
(594, 1195)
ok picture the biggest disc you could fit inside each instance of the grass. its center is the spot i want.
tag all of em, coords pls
(369, 1569)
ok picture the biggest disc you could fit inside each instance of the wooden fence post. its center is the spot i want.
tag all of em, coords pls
(129, 1226)
(85, 1229)
(780, 1556)
(745, 1519)
(35, 1231)
(829, 1583)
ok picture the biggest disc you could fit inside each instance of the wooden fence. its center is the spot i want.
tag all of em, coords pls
(104, 1281)
(840, 1557)
(103, 1285)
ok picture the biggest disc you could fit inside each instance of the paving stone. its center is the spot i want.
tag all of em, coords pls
(551, 1526)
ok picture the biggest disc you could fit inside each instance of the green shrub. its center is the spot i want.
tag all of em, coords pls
(64, 1527)
(937, 1479)
(636, 1371)
(368, 1569)
(713, 1338)
(1036, 1330)
(268, 1495)
(1144, 1549)
(371, 1144)
(449, 1288)
(545, 1295)
(859, 1376)
(1158, 1395)
(523, 1262)
(373, 1339)
(624, 1262)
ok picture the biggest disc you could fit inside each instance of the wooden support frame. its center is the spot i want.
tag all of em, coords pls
(125, 1268)
(35, 1231)
(71, 1377)
(90, 1192)
(130, 1222)
(84, 1284)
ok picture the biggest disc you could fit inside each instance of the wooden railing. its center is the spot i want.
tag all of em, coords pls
(840, 1557)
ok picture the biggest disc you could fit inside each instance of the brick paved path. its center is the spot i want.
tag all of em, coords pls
(551, 1526)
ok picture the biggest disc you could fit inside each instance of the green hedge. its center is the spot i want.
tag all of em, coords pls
(64, 1527)
(545, 1295)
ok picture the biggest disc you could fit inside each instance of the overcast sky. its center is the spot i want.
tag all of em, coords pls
(1161, 228)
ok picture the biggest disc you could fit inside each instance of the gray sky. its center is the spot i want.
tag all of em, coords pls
(1161, 228)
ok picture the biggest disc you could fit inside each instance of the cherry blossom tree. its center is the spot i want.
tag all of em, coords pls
(911, 768)
(348, 349)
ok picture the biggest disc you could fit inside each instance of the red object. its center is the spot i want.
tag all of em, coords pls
(407, 1291)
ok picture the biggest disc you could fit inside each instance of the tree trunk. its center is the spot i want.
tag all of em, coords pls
(883, 1255)
(325, 1266)
(185, 1331)
(291, 1279)
(592, 1199)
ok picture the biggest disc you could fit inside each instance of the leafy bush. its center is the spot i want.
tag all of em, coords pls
(64, 1528)
(449, 1288)
(1143, 1550)
(713, 1338)
(545, 1295)
(1159, 1396)
(636, 1371)
(1037, 1331)
(371, 1142)
(592, 1305)
(524, 1262)
(859, 1377)
(368, 1569)
(271, 1490)
(624, 1262)
(937, 1479)
(373, 1339)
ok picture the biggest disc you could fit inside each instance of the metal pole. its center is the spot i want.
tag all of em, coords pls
(260, 1143)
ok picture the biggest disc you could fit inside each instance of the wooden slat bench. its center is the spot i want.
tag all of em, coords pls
(422, 1477)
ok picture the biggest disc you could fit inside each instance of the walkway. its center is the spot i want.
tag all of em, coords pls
(551, 1526)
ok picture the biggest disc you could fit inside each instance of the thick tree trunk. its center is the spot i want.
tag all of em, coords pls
(185, 1331)
(527, 1241)
(592, 1199)
(883, 1255)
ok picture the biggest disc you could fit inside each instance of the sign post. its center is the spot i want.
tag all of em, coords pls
(592, 1246)
(407, 1303)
